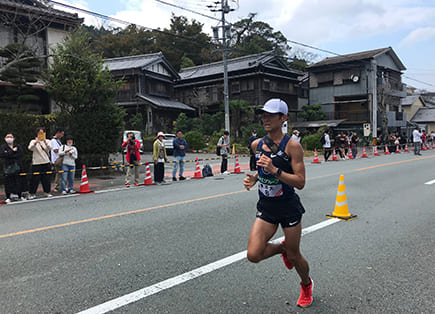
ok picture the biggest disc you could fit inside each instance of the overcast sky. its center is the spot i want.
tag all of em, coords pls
(340, 26)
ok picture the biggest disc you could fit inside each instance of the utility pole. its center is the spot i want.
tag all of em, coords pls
(225, 9)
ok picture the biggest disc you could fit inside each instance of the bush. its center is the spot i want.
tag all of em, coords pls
(194, 140)
(312, 141)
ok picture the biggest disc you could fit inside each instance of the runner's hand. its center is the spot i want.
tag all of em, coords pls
(249, 181)
(266, 163)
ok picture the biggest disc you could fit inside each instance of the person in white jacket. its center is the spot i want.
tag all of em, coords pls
(69, 154)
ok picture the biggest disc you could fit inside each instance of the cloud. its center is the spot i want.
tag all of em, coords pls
(417, 35)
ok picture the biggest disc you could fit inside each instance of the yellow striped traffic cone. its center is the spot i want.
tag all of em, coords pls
(341, 210)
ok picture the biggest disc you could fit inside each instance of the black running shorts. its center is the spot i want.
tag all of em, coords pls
(286, 212)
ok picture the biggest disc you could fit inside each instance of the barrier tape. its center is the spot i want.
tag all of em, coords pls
(117, 165)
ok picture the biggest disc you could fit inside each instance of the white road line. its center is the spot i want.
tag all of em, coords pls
(174, 281)
(430, 182)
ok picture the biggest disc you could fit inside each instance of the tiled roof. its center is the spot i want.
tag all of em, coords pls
(235, 64)
(409, 100)
(37, 7)
(132, 62)
(165, 102)
(424, 115)
(364, 55)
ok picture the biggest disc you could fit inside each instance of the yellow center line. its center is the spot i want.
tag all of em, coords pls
(116, 215)
(174, 204)
(394, 163)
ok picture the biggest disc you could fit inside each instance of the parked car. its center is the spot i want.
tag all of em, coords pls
(137, 135)
(169, 144)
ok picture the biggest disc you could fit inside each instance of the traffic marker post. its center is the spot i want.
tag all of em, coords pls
(341, 209)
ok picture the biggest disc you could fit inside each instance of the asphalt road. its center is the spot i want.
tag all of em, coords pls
(71, 254)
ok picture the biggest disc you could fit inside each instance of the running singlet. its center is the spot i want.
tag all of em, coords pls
(269, 186)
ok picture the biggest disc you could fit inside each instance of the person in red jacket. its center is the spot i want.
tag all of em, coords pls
(133, 157)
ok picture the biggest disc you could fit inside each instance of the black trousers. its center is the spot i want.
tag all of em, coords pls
(159, 171)
(43, 177)
(327, 152)
(15, 184)
(252, 163)
(224, 164)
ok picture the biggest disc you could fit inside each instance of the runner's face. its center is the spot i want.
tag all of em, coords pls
(271, 121)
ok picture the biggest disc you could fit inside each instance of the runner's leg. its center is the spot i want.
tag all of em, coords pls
(258, 246)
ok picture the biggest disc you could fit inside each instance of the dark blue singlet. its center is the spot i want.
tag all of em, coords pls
(278, 201)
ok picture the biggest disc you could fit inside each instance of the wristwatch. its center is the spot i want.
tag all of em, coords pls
(278, 172)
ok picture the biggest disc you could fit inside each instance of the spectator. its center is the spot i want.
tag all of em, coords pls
(327, 145)
(416, 134)
(133, 157)
(55, 145)
(70, 154)
(340, 141)
(40, 148)
(224, 144)
(252, 161)
(159, 158)
(403, 140)
(180, 146)
(423, 138)
(295, 136)
(12, 154)
(432, 136)
(354, 144)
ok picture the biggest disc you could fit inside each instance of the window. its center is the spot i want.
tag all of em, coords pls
(266, 84)
(235, 87)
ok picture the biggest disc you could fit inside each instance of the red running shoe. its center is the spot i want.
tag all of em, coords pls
(306, 297)
(287, 263)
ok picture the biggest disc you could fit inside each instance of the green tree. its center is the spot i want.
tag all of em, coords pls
(312, 112)
(188, 39)
(250, 37)
(86, 92)
(186, 62)
(21, 68)
(240, 113)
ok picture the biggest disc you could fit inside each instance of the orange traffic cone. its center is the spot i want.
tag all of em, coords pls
(148, 180)
(427, 147)
(387, 152)
(84, 185)
(341, 209)
(197, 174)
(364, 155)
(375, 151)
(349, 154)
(316, 158)
(397, 149)
(422, 147)
(237, 166)
(406, 148)
(334, 156)
(433, 145)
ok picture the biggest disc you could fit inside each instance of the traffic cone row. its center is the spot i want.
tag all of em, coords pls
(148, 180)
(237, 166)
(334, 156)
(387, 152)
(197, 174)
(375, 151)
(84, 185)
(316, 158)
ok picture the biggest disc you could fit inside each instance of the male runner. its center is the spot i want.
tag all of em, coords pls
(278, 174)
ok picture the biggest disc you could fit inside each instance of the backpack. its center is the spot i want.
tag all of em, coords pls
(322, 139)
(206, 171)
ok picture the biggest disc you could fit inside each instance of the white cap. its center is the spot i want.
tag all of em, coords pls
(274, 105)
(160, 134)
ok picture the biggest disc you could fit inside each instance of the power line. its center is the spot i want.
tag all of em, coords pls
(185, 9)
(106, 17)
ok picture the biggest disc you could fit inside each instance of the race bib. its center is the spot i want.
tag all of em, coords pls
(270, 190)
